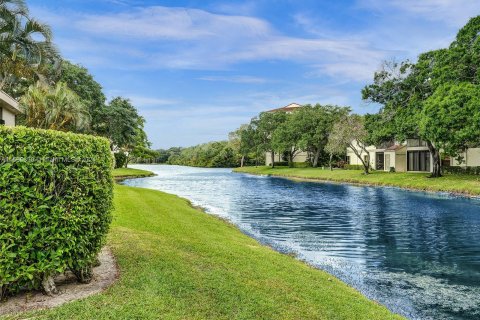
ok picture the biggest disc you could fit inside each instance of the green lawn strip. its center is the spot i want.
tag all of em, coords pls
(126, 173)
(462, 184)
(177, 262)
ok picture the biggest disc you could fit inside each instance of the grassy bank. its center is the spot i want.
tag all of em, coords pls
(464, 184)
(179, 263)
(126, 173)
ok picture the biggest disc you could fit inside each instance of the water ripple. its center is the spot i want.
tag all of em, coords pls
(417, 253)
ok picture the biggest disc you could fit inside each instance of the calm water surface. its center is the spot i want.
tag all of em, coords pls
(416, 253)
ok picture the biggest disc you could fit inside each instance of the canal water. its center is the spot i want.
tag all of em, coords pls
(417, 253)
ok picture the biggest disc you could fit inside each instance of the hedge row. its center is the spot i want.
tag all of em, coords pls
(56, 192)
(462, 170)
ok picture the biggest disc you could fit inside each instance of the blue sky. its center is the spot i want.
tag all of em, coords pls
(196, 70)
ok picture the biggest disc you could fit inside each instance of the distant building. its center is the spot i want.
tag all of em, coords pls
(8, 109)
(299, 157)
(287, 109)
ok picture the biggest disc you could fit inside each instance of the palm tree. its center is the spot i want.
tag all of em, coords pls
(26, 47)
(56, 108)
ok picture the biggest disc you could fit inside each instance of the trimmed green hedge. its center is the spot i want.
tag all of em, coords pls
(475, 171)
(56, 192)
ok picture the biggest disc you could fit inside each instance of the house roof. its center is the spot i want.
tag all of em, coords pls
(394, 147)
(9, 103)
(291, 107)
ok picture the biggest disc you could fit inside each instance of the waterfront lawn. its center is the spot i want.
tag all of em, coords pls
(465, 184)
(125, 173)
(177, 262)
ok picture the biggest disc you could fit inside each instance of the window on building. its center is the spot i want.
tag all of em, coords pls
(446, 162)
(348, 160)
(416, 143)
(418, 161)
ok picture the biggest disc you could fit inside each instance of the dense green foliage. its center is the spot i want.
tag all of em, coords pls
(451, 117)
(79, 80)
(462, 170)
(164, 154)
(213, 154)
(316, 126)
(306, 129)
(433, 99)
(55, 202)
(120, 160)
(26, 49)
(179, 263)
(55, 108)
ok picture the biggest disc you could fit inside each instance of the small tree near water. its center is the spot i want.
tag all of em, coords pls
(349, 132)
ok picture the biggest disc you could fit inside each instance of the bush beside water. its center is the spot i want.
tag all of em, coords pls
(56, 192)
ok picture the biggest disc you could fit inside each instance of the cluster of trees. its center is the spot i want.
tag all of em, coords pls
(56, 94)
(436, 99)
(218, 154)
(308, 129)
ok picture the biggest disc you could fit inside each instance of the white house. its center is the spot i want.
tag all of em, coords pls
(412, 156)
(8, 109)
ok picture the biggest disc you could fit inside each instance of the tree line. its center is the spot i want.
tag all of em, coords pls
(57, 94)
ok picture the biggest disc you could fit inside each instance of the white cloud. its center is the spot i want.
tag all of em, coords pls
(452, 12)
(172, 23)
(180, 38)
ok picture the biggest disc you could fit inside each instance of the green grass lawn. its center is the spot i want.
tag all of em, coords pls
(124, 173)
(177, 262)
(464, 184)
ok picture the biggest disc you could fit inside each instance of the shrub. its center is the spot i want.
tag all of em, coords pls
(353, 167)
(462, 170)
(120, 160)
(56, 193)
(302, 164)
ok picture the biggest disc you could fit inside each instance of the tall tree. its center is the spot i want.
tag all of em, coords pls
(401, 89)
(315, 124)
(451, 117)
(286, 137)
(84, 85)
(250, 144)
(26, 48)
(407, 91)
(56, 108)
(235, 141)
(123, 124)
(350, 132)
(265, 125)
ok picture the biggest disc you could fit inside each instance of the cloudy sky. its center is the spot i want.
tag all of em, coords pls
(198, 69)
